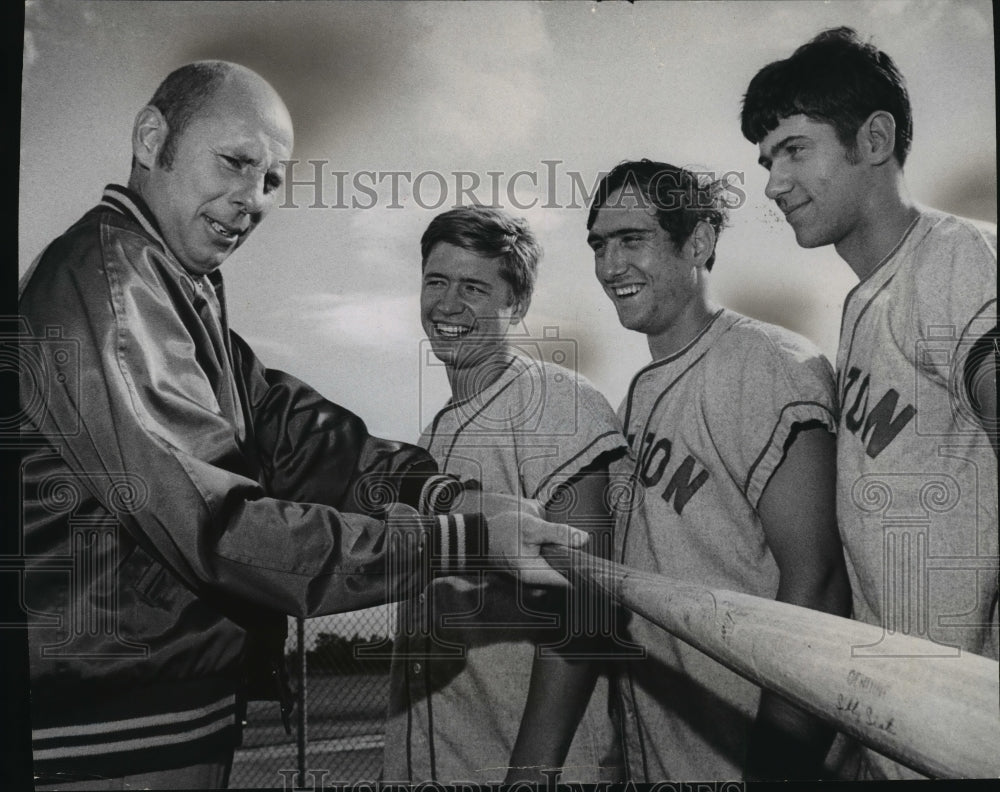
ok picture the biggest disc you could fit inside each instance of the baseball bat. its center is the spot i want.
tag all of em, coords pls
(939, 715)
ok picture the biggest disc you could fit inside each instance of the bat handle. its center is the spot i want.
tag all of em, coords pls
(583, 569)
(565, 560)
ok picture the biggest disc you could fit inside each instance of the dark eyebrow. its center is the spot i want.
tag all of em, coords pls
(618, 232)
(474, 281)
(240, 153)
(235, 151)
(777, 148)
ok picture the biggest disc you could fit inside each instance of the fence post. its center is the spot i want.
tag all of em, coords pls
(300, 625)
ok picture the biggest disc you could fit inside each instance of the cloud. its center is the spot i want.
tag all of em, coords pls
(48, 21)
(925, 17)
(362, 319)
(269, 348)
(476, 87)
(389, 238)
(410, 80)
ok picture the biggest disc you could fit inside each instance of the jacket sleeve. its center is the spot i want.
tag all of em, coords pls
(313, 450)
(143, 403)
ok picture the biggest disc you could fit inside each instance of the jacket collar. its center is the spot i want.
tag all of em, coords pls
(124, 201)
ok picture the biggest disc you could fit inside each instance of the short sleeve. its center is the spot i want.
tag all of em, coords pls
(954, 283)
(768, 384)
(564, 425)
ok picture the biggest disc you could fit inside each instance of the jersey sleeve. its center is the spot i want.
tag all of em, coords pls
(565, 424)
(768, 386)
(954, 299)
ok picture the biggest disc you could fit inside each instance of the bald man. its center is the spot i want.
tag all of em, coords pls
(179, 498)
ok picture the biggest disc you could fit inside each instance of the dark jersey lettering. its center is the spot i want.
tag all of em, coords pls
(653, 462)
(880, 425)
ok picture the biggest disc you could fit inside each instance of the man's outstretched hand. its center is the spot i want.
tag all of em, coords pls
(493, 504)
(516, 539)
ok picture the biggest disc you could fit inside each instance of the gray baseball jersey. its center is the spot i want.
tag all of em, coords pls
(707, 427)
(917, 478)
(464, 650)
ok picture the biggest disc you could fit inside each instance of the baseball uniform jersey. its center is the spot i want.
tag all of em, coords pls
(706, 427)
(917, 477)
(464, 649)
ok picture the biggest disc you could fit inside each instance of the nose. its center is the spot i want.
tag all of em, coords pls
(250, 195)
(610, 262)
(450, 301)
(778, 183)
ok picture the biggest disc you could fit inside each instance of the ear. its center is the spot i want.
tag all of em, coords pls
(701, 243)
(877, 137)
(520, 309)
(148, 135)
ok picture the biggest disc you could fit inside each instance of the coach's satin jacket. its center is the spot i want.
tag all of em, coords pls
(177, 502)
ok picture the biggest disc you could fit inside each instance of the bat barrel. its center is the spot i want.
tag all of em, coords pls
(925, 705)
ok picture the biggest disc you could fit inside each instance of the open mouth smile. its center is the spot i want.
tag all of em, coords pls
(225, 232)
(451, 330)
(621, 292)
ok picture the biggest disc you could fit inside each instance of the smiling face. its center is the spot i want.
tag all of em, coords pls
(815, 181)
(466, 307)
(224, 172)
(655, 287)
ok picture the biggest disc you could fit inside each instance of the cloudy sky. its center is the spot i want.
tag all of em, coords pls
(403, 105)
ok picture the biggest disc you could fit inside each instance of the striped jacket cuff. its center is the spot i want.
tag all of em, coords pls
(459, 542)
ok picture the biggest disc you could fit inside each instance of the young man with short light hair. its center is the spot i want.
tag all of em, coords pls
(498, 701)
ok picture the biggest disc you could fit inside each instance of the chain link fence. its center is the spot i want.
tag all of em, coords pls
(339, 669)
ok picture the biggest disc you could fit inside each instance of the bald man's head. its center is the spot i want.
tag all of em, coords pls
(186, 90)
(209, 155)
